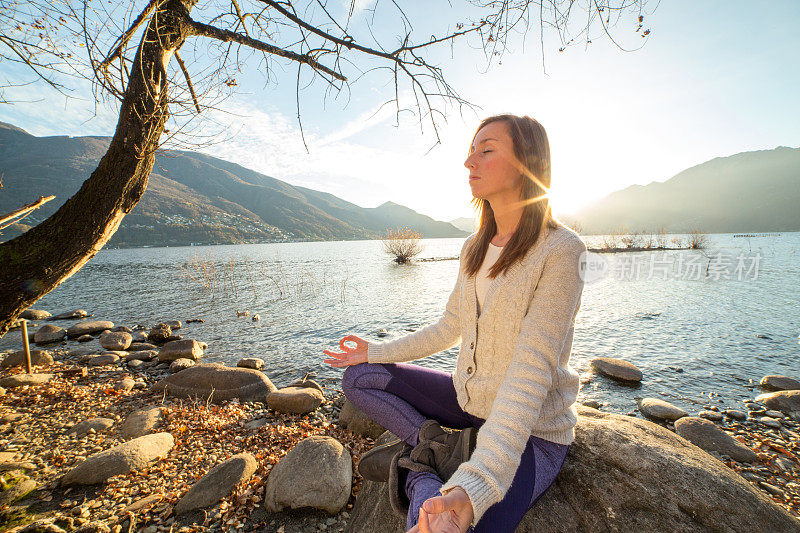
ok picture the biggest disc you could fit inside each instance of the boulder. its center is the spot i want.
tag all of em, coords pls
(779, 383)
(49, 333)
(295, 400)
(140, 423)
(785, 400)
(88, 327)
(22, 380)
(182, 349)
(316, 473)
(159, 334)
(34, 314)
(220, 383)
(217, 483)
(97, 424)
(655, 408)
(121, 459)
(357, 421)
(708, 436)
(626, 475)
(617, 369)
(180, 364)
(116, 340)
(78, 313)
(251, 362)
(38, 358)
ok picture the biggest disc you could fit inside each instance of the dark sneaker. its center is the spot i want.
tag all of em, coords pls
(443, 449)
(374, 464)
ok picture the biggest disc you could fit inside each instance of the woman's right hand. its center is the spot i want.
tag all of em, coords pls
(349, 355)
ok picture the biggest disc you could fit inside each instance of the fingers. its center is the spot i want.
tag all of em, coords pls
(414, 529)
(436, 505)
(334, 354)
(423, 521)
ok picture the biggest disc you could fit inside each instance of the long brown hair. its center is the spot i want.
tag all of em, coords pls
(532, 151)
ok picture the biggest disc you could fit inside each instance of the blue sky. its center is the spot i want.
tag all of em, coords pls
(714, 78)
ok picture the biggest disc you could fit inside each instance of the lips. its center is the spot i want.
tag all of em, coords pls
(473, 178)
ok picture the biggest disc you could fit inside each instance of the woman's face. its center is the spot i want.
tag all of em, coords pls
(493, 169)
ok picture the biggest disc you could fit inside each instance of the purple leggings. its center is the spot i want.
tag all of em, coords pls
(400, 397)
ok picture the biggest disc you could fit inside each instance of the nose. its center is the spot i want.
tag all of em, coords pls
(468, 162)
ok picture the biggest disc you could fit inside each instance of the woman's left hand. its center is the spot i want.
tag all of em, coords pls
(451, 513)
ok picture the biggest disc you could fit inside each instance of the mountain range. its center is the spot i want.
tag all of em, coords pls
(196, 198)
(193, 198)
(755, 191)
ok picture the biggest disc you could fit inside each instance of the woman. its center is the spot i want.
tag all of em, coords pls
(513, 391)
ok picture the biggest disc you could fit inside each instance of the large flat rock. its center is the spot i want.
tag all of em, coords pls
(217, 382)
(126, 457)
(88, 327)
(624, 475)
(217, 483)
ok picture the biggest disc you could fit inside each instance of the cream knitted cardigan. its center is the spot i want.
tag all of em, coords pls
(513, 364)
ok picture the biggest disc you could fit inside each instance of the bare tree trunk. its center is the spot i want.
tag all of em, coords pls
(39, 260)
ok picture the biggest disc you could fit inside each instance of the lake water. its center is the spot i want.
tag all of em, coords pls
(697, 311)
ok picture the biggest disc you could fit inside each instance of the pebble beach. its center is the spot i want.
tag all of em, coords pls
(93, 400)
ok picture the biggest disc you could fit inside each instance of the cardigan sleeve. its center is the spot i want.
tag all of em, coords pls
(433, 338)
(488, 474)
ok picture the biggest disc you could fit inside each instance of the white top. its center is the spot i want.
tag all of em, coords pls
(482, 280)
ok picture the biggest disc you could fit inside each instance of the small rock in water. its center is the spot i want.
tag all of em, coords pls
(251, 362)
(49, 333)
(765, 337)
(770, 422)
(785, 400)
(78, 313)
(594, 404)
(173, 324)
(617, 369)
(88, 327)
(735, 414)
(655, 408)
(710, 415)
(775, 382)
(382, 333)
(34, 314)
(180, 349)
(256, 317)
(195, 320)
(118, 340)
(159, 334)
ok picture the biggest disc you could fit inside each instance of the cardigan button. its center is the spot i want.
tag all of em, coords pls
(469, 370)
(471, 345)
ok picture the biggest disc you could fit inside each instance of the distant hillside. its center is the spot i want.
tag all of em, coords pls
(193, 198)
(747, 192)
(467, 224)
